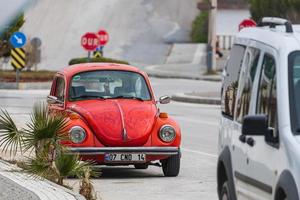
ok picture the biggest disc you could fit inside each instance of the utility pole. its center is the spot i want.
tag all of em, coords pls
(212, 38)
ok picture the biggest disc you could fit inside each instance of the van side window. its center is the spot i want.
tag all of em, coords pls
(230, 84)
(246, 82)
(60, 89)
(267, 99)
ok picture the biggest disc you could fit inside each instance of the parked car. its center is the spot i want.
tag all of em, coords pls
(259, 137)
(114, 118)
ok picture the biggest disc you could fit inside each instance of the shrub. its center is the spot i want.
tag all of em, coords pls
(288, 9)
(4, 37)
(95, 60)
(199, 32)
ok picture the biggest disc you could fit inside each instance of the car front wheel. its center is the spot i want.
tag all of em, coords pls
(171, 165)
(225, 192)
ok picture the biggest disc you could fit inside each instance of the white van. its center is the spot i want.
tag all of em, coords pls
(259, 137)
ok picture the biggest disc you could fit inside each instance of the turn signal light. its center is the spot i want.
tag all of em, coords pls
(74, 116)
(163, 115)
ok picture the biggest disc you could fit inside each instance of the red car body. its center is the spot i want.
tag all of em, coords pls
(115, 126)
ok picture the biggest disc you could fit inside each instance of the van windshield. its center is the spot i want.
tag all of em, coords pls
(294, 90)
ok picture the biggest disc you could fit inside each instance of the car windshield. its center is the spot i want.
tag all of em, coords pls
(294, 89)
(108, 84)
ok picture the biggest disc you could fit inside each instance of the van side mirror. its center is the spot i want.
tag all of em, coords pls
(53, 100)
(164, 99)
(255, 125)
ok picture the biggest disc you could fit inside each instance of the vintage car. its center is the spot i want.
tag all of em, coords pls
(114, 118)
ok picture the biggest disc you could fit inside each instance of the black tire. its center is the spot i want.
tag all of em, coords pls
(141, 166)
(225, 195)
(171, 166)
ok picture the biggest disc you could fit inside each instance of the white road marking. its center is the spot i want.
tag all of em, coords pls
(199, 54)
(200, 153)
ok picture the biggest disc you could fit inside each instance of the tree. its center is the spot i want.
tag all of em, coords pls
(288, 9)
(4, 38)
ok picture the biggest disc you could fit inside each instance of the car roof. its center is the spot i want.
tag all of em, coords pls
(274, 37)
(84, 67)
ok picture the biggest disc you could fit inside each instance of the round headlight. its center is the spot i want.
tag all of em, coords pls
(77, 134)
(167, 133)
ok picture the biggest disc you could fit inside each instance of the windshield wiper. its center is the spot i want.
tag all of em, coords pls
(88, 96)
(128, 97)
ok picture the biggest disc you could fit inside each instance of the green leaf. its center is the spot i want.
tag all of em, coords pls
(11, 137)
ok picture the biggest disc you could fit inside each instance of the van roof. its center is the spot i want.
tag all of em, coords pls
(275, 37)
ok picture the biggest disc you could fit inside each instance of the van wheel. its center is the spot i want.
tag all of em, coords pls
(141, 166)
(225, 192)
(171, 165)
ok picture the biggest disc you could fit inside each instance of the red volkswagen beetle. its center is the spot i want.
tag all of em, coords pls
(114, 118)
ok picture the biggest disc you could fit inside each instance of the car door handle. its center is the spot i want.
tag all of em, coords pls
(250, 141)
(243, 138)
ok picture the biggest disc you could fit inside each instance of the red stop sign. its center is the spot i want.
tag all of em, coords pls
(90, 41)
(247, 23)
(103, 37)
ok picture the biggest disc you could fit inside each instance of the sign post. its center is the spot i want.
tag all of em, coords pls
(18, 40)
(247, 23)
(103, 40)
(90, 41)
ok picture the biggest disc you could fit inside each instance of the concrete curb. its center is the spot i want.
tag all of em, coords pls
(43, 188)
(181, 97)
(153, 72)
(26, 85)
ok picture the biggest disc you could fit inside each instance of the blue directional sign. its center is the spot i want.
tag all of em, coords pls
(18, 39)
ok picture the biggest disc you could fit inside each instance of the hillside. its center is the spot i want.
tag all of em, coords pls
(139, 29)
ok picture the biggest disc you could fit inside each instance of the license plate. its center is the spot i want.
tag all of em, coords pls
(124, 157)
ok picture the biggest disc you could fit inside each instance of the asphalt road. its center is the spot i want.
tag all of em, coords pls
(199, 124)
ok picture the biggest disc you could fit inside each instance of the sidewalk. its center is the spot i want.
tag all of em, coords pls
(17, 185)
(181, 65)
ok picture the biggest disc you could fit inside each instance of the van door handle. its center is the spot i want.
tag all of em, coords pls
(243, 138)
(250, 141)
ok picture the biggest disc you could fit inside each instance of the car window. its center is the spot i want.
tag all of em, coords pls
(246, 82)
(230, 83)
(294, 88)
(267, 99)
(108, 84)
(60, 89)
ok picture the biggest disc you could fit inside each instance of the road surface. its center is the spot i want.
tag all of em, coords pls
(199, 124)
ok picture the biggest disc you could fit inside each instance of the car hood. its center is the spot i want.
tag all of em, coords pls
(118, 122)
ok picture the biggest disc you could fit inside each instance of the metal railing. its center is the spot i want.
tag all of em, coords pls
(225, 41)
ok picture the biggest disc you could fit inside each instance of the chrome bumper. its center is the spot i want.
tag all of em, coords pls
(145, 150)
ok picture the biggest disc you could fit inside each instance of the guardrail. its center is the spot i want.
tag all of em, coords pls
(225, 41)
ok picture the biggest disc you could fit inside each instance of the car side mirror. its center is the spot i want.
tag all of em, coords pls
(53, 100)
(255, 125)
(164, 99)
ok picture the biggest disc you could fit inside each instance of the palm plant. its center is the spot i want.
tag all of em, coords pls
(10, 136)
(44, 134)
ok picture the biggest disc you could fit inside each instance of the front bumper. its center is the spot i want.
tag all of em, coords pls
(161, 151)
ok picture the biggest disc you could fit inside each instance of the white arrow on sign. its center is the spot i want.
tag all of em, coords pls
(19, 40)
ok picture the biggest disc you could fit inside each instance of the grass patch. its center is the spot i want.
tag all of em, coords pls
(96, 60)
(199, 32)
(27, 76)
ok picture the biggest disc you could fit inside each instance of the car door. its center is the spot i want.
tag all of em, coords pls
(58, 90)
(229, 134)
(244, 96)
(262, 156)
